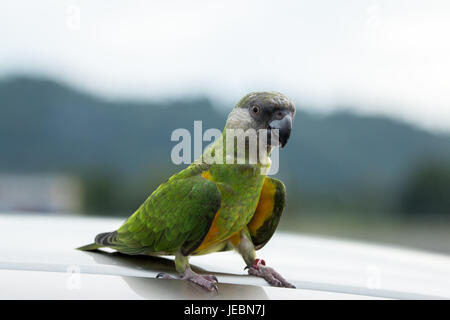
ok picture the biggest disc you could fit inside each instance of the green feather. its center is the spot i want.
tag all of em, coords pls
(168, 219)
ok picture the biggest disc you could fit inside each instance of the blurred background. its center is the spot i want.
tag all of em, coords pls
(90, 93)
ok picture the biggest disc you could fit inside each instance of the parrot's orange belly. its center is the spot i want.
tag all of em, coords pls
(217, 235)
(213, 235)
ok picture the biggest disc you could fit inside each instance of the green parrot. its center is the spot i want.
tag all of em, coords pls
(222, 201)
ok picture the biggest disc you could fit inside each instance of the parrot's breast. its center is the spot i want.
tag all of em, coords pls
(240, 187)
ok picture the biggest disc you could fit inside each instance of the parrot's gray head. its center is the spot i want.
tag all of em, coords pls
(264, 110)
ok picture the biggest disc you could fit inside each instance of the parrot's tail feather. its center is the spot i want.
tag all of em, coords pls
(107, 239)
(90, 247)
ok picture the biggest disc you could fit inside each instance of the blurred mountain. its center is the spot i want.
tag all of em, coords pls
(49, 127)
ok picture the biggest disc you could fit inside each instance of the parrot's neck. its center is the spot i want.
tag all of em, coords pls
(238, 148)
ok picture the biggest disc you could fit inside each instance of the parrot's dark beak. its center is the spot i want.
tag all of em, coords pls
(284, 127)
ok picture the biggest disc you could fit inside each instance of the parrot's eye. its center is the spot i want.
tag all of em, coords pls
(255, 109)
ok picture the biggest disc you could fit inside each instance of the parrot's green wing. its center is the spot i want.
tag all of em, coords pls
(268, 212)
(177, 216)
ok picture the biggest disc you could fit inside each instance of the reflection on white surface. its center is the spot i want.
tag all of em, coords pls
(319, 267)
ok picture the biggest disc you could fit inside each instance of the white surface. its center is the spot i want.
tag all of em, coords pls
(38, 260)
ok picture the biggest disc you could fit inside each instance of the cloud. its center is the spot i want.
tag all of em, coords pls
(372, 56)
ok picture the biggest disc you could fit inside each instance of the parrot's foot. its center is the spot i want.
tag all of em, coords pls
(259, 269)
(207, 282)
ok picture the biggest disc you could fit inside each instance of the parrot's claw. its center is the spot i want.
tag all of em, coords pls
(163, 275)
(207, 282)
(211, 278)
(259, 269)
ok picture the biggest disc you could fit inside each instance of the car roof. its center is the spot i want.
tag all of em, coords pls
(38, 260)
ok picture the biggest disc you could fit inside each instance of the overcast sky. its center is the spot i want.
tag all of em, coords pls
(382, 57)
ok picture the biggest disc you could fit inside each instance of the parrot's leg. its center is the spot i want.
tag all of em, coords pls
(257, 267)
(207, 282)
